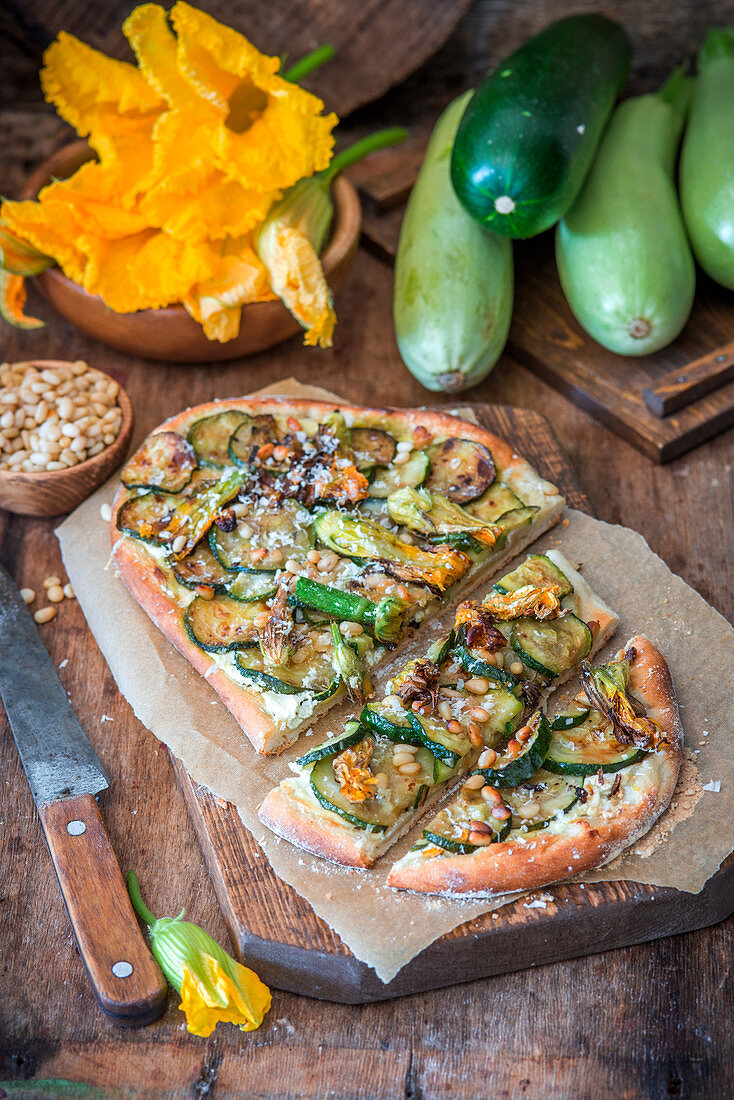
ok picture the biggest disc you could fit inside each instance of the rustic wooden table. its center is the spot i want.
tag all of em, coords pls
(646, 1021)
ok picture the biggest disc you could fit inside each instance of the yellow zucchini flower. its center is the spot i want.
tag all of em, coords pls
(213, 986)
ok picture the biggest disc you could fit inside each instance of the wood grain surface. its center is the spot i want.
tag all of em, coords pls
(277, 932)
(650, 1021)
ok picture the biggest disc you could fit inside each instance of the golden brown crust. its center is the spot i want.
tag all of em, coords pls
(146, 581)
(299, 820)
(583, 845)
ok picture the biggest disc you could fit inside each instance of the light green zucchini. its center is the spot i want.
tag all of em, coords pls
(707, 159)
(623, 258)
(453, 279)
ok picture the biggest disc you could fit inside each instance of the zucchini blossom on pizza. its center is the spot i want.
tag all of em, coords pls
(197, 148)
(214, 987)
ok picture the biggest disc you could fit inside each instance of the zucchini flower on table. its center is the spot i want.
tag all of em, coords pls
(213, 986)
(294, 233)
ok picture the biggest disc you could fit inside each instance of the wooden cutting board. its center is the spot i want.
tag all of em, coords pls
(547, 338)
(291, 948)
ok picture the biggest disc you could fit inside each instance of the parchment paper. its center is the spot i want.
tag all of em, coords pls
(383, 927)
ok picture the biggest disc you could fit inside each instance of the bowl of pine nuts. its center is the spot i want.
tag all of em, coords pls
(64, 428)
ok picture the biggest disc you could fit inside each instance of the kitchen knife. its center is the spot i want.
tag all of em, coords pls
(64, 775)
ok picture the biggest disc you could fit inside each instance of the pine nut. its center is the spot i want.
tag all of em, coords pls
(530, 809)
(351, 630)
(444, 709)
(55, 593)
(513, 749)
(487, 759)
(477, 685)
(382, 781)
(479, 840)
(322, 643)
(516, 668)
(501, 813)
(454, 726)
(411, 749)
(69, 592)
(491, 794)
(313, 556)
(474, 782)
(27, 595)
(524, 734)
(178, 544)
(475, 735)
(401, 458)
(413, 768)
(52, 582)
(44, 614)
(292, 566)
(401, 758)
(499, 660)
(479, 714)
(105, 512)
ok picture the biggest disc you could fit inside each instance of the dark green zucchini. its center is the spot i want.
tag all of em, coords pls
(287, 528)
(252, 585)
(145, 517)
(383, 620)
(451, 827)
(200, 567)
(222, 624)
(210, 436)
(495, 502)
(325, 787)
(510, 771)
(461, 469)
(164, 461)
(572, 718)
(476, 666)
(538, 570)
(554, 796)
(552, 647)
(528, 136)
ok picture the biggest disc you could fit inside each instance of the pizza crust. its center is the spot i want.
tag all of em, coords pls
(578, 845)
(146, 581)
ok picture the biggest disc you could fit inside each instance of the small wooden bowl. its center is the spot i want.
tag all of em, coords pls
(170, 334)
(54, 492)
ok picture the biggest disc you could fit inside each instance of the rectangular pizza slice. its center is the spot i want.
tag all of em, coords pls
(471, 698)
(285, 546)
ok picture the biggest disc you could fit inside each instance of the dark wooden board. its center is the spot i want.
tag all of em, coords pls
(279, 934)
(546, 337)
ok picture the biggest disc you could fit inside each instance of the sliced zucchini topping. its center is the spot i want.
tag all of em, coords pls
(372, 447)
(411, 474)
(465, 825)
(383, 620)
(436, 517)
(163, 461)
(200, 567)
(348, 665)
(210, 436)
(248, 586)
(221, 624)
(495, 502)
(539, 571)
(145, 517)
(583, 743)
(606, 689)
(250, 434)
(461, 469)
(353, 734)
(328, 790)
(520, 760)
(541, 801)
(314, 673)
(553, 647)
(475, 663)
(365, 540)
(284, 527)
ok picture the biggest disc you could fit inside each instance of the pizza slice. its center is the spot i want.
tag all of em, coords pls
(609, 770)
(469, 699)
(286, 546)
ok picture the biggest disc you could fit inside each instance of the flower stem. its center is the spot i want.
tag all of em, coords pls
(381, 140)
(307, 64)
(133, 887)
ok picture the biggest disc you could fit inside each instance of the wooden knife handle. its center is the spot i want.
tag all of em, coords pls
(129, 985)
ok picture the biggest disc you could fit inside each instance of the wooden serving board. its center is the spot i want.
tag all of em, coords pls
(291, 948)
(546, 337)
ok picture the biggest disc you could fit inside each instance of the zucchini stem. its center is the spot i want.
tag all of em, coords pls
(133, 888)
(380, 140)
(312, 61)
(718, 43)
(677, 90)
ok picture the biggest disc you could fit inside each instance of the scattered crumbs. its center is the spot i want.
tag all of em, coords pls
(222, 802)
(714, 785)
(581, 128)
(106, 718)
(64, 663)
(329, 896)
(133, 812)
(704, 733)
(687, 793)
(412, 922)
(565, 523)
(495, 916)
(213, 702)
(536, 904)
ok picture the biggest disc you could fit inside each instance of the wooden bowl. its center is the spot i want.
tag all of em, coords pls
(54, 492)
(171, 334)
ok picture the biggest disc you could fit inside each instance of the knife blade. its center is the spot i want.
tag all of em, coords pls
(64, 774)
